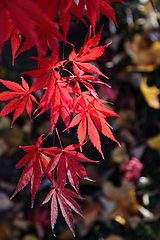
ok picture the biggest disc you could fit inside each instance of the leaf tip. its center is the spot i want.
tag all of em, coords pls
(11, 197)
(32, 201)
(108, 44)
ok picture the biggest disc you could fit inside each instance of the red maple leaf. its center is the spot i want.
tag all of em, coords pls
(68, 161)
(22, 99)
(4, 25)
(92, 112)
(63, 7)
(88, 52)
(107, 10)
(84, 79)
(94, 7)
(58, 99)
(36, 163)
(47, 35)
(21, 13)
(15, 42)
(63, 197)
(15, 37)
(46, 71)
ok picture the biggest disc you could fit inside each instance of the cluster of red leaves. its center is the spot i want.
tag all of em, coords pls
(63, 95)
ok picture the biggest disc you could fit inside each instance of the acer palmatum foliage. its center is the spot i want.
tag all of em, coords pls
(63, 96)
(21, 99)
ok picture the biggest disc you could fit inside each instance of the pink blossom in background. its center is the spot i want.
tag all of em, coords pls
(110, 93)
(132, 169)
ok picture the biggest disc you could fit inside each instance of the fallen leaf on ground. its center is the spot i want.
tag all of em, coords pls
(154, 142)
(150, 93)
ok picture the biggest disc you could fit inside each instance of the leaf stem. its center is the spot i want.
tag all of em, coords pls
(59, 138)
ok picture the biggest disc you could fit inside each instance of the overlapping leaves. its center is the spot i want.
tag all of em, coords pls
(63, 96)
(68, 161)
(63, 197)
(89, 52)
(36, 162)
(91, 112)
(21, 13)
(22, 98)
(35, 20)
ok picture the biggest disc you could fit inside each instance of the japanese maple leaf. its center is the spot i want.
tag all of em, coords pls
(15, 42)
(4, 25)
(46, 71)
(68, 161)
(21, 13)
(94, 7)
(88, 52)
(36, 163)
(92, 113)
(15, 38)
(58, 99)
(84, 79)
(47, 36)
(22, 98)
(63, 7)
(63, 197)
(107, 10)
(57, 96)
(93, 10)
